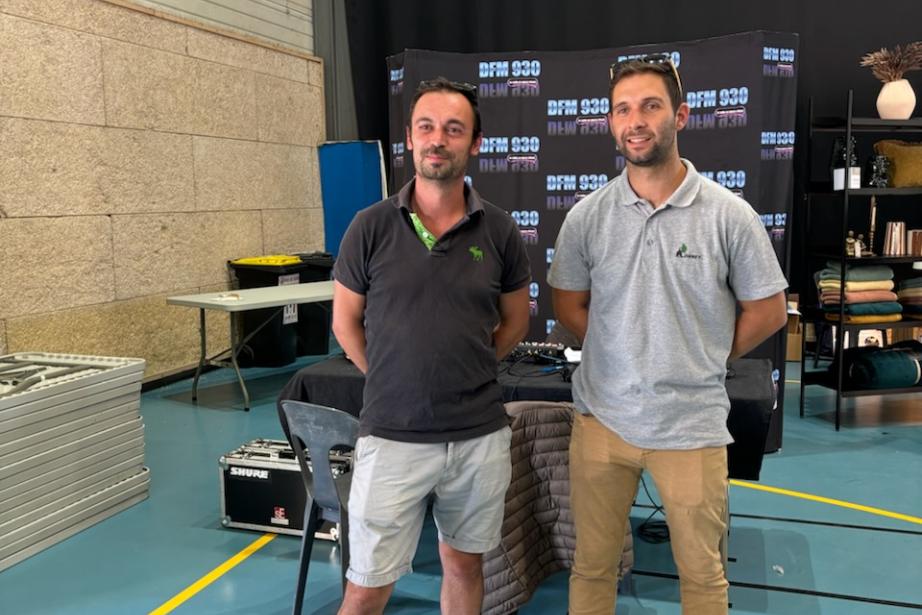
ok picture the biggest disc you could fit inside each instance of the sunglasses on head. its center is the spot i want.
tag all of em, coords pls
(465, 89)
(663, 60)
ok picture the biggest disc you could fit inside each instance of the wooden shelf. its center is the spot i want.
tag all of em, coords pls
(868, 392)
(866, 124)
(885, 191)
(908, 323)
(825, 189)
(869, 260)
(816, 315)
(826, 379)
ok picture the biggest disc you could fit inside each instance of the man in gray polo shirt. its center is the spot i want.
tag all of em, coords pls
(649, 271)
(431, 290)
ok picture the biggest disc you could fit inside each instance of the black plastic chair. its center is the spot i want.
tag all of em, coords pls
(318, 429)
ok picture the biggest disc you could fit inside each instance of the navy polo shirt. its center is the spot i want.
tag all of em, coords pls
(430, 316)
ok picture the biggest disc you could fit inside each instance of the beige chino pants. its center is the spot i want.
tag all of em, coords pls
(604, 475)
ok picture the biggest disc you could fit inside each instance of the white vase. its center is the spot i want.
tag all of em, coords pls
(896, 100)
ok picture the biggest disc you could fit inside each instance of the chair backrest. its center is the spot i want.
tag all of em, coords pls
(319, 429)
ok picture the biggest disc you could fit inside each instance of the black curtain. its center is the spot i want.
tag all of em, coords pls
(833, 37)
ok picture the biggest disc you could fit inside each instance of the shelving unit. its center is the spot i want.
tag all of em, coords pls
(821, 191)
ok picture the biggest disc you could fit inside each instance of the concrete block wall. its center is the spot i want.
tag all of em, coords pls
(138, 153)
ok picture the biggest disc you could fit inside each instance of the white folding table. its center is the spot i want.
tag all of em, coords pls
(237, 301)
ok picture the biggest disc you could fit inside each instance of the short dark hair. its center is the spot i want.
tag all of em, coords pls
(441, 84)
(658, 64)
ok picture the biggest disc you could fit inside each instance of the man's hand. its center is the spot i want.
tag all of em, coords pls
(349, 324)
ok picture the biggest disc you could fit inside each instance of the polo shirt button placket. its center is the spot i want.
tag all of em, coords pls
(651, 240)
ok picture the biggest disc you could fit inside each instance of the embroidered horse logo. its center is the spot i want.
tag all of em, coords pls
(477, 253)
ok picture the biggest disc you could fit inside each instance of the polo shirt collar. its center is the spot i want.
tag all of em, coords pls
(683, 196)
(473, 202)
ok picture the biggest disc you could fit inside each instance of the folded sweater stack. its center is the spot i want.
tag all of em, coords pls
(868, 295)
(910, 297)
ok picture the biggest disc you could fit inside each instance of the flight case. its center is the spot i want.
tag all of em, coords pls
(261, 488)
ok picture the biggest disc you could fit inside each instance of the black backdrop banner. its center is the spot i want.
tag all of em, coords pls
(546, 140)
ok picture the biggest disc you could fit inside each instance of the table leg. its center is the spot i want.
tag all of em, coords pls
(235, 348)
(201, 356)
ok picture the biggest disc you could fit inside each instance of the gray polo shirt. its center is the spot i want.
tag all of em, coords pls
(663, 289)
(430, 316)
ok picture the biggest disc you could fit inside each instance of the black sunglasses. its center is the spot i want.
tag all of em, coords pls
(465, 89)
(663, 60)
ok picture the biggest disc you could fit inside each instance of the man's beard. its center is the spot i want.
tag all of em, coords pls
(658, 153)
(450, 168)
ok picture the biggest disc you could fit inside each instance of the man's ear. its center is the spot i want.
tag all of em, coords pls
(611, 127)
(681, 116)
(475, 146)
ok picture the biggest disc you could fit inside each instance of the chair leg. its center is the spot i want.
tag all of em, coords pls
(819, 332)
(311, 523)
(344, 546)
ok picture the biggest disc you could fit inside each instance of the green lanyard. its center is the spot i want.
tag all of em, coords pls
(422, 232)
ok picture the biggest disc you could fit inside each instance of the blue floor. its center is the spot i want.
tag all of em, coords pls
(788, 555)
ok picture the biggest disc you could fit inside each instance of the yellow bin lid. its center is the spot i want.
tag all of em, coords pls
(272, 260)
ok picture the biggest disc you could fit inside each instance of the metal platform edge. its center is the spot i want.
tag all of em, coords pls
(116, 503)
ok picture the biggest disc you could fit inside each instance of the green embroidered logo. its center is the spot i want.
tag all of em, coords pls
(683, 252)
(477, 253)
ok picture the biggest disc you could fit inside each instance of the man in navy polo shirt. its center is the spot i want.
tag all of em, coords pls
(649, 271)
(431, 291)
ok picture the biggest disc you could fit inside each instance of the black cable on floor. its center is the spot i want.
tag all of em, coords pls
(792, 590)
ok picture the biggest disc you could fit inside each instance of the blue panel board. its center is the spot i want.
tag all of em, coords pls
(350, 178)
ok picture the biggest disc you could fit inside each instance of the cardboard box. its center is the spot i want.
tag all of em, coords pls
(794, 347)
(902, 335)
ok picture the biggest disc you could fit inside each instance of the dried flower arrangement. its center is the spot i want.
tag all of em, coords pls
(890, 65)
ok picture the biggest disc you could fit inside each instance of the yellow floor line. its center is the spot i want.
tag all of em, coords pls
(817, 498)
(263, 540)
(792, 381)
(212, 576)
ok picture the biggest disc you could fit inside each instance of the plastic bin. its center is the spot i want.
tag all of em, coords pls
(303, 329)
(314, 319)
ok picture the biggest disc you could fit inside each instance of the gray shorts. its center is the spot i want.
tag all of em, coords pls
(391, 485)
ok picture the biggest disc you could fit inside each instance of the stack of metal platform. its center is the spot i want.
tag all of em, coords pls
(71, 447)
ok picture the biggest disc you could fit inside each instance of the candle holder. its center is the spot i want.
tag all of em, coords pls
(878, 171)
(873, 227)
